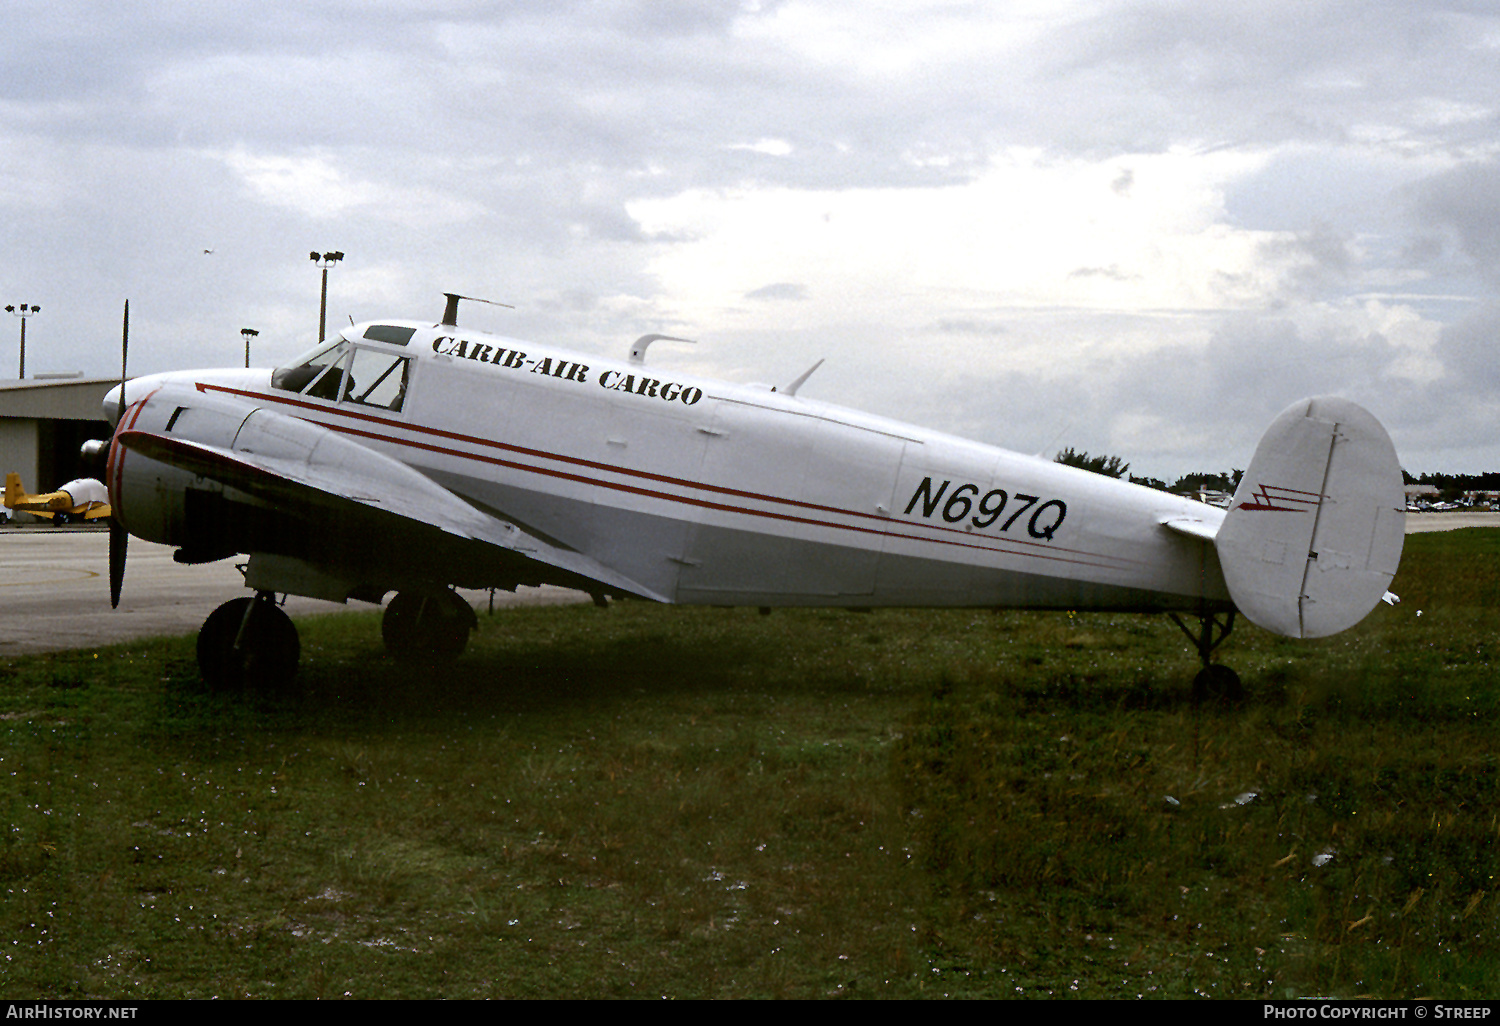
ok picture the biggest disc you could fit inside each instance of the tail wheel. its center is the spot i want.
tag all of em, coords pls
(248, 642)
(1217, 683)
(427, 627)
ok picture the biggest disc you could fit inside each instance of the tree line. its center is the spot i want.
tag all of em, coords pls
(1454, 486)
(1114, 466)
(1449, 486)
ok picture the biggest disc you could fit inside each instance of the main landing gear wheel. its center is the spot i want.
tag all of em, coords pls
(248, 642)
(427, 627)
(1215, 682)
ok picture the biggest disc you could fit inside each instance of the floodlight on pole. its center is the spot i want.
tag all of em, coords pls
(248, 333)
(324, 261)
(23, 311)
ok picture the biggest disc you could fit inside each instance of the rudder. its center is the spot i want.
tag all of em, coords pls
(1314, 534)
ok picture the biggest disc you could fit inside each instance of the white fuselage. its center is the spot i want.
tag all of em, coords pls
(708, 492)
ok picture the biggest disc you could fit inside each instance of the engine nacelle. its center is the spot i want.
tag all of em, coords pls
(165, 504)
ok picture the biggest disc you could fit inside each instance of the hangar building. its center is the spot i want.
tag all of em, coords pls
(43, 423)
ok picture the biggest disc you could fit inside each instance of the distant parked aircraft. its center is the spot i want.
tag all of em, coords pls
(78, 500)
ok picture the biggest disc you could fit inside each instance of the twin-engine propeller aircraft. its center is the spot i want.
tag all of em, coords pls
(416, 457)
(78, 500)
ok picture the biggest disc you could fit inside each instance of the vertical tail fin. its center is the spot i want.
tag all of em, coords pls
(14, 493)
(1314, 534)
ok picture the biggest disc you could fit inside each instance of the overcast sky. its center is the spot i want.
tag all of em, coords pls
(1136, 228)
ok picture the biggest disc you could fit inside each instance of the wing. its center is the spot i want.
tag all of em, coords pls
(358, 507)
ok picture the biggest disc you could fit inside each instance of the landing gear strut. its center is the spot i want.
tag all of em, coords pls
(427, 627)
(1215, 682)
(248, 642)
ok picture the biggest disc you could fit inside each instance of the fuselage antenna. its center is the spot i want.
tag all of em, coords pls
(638, 347)
(792, 388)
(450, 312)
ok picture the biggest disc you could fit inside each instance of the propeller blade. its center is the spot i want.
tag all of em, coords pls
(124, 351)
(118, 536)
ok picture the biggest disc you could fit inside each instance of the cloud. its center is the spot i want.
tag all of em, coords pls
(1029, 232)
(1469, 350)
(781, 290)
(1464, 204)
(312, 186)
(770, 147)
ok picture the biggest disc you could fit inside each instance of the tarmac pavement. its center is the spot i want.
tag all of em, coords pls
(1416, 523)
(54, 591)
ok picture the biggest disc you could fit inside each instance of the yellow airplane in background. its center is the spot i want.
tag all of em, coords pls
(77, 501)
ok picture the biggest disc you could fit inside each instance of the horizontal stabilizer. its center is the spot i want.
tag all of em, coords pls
(1193, 527)
(1314, 534)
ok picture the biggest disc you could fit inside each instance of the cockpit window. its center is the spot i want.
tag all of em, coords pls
(389, 333)
(313, 372)
(368, 376)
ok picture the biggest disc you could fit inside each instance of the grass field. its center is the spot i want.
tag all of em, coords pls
(647, 801)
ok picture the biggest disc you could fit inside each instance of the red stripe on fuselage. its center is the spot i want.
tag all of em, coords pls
(114, 466)
(1021, 548)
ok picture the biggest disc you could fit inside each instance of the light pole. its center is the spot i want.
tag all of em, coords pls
(324, 261)
(249, 333)
(23, 311)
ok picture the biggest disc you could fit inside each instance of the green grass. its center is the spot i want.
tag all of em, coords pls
(646, 801)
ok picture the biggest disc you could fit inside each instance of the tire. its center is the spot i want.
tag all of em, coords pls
(1217, 683)
(268, 653)
(427, 628)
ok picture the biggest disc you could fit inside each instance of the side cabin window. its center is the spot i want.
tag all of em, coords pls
(377, 379)
(346, 372)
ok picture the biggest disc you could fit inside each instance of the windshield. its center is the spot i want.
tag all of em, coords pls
(311, 368)
(347, 372)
